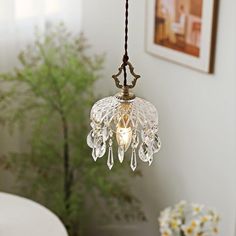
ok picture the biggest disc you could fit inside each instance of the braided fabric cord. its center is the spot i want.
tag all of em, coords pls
(126, 57)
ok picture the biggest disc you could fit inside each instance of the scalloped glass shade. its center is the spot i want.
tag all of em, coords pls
(132, 125)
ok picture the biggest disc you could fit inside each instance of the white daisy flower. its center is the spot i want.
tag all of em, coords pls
(182, 204)
(166, 232)
(206, 218)
(197, 208)
(175, 224)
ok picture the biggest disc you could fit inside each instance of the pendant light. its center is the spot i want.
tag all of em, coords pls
(124, 121)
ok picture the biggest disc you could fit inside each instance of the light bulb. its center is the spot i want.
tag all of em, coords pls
(124, 137)
(124, 128)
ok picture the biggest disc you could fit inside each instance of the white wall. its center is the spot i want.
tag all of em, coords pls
(197, 111)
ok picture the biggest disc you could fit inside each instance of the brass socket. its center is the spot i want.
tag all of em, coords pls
(125, 95)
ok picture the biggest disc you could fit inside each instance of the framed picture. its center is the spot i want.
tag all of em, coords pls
(182, 31)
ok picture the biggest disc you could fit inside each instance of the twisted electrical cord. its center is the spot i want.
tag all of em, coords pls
(126, 57)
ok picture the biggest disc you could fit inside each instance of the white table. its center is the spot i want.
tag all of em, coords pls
(23, 217)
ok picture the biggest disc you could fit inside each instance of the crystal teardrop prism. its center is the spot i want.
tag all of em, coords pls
(110, 159)
(133, 163)
(121, 153)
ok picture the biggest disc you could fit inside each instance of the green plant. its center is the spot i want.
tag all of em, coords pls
(50, 94)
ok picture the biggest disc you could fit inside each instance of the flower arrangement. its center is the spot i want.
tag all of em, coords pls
(189, 220)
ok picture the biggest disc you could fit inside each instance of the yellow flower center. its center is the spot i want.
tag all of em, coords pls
(165, 234)
(197, 209)
(174, 224)
(189, 230)
(204, 219)
(194, 224)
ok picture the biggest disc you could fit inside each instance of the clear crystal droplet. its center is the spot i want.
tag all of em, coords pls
(133, 163)
(146, 153)
(121, 153)
(156, 144)
(90, 139)
(110, 160)
(94, 155)
(143, 152)
(100, 150)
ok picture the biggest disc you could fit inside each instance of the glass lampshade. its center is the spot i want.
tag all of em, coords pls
(132, 124)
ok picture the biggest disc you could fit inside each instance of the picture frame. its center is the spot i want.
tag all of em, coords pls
(183, 31)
